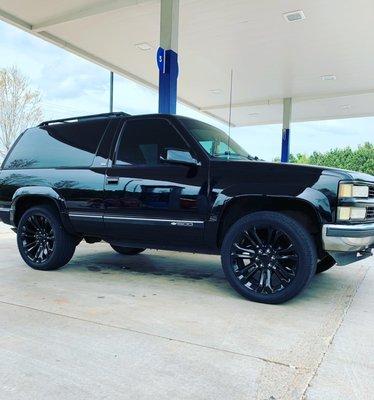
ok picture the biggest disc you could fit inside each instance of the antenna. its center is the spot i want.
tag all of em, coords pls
(230, 111)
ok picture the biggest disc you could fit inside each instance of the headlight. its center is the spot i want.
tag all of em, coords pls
(351, 213)
(351, 190)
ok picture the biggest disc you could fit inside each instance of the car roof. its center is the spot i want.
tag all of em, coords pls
(84, 118)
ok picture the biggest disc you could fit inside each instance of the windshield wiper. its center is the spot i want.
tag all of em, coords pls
(229, 154)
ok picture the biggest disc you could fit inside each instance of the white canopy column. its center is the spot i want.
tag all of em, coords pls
(287, 110)
(167, 56)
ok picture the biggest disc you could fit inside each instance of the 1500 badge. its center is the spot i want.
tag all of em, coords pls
(181, 223)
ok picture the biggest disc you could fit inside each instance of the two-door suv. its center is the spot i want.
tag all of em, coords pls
(170, 182)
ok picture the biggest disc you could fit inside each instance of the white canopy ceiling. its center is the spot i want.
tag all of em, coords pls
(271, 57)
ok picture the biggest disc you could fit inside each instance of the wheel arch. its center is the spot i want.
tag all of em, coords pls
(27, 197)
(301, 210)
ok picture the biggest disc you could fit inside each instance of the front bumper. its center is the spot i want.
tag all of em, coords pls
(348, 237)
(348, 243)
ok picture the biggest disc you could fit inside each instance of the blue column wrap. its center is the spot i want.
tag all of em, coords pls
(285, 157)
(167, 61)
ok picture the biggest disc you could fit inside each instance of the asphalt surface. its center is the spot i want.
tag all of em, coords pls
(165, 325)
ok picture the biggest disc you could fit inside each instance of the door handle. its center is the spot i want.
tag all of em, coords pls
(112, 180)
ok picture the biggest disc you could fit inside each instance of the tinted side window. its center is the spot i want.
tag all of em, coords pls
(56, 146)
(144, 141)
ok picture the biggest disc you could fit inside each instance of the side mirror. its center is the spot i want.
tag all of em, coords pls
(174, 156)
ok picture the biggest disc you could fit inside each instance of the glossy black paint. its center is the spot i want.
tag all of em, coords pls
(165, 204)
(172, 206)
(71, 190)
(316, 186)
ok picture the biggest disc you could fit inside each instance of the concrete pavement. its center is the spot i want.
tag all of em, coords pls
(164, 325)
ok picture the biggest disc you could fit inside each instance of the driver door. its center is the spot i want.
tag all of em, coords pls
(147, 198)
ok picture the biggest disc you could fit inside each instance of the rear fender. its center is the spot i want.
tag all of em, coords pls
(43, 192)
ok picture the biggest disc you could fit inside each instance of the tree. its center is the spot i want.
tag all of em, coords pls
(20, 106)
(360, 159)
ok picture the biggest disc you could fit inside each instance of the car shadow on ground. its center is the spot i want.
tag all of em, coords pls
(190, 267)
(158, 263)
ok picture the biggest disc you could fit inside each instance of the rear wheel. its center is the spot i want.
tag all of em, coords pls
(268, 257)
(43, 242)
(128, 251)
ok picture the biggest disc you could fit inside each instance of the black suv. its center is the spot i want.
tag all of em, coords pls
(170, 182)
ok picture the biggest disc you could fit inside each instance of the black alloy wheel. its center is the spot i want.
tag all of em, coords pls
(268, 257)
(37, 238)
(264, 259)
(43, 242)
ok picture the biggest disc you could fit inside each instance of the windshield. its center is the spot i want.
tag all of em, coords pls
(214, 141)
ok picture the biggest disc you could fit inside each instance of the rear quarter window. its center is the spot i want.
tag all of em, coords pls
(57, 146)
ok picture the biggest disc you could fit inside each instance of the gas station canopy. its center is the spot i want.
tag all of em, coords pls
(321, 56)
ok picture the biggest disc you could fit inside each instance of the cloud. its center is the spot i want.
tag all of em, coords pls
(71, 77)
(71, 86)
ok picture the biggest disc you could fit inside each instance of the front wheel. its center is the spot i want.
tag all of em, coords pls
(43, 242)
(268, 257)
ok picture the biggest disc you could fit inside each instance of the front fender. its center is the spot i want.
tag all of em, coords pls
(314, 198)
(320, 202)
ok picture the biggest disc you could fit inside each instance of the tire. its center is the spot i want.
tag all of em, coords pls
(127, 251)
(268, 257)
(325, 264)
(43, 242)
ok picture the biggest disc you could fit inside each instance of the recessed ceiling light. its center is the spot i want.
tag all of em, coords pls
(143, 46)
(215, 91)
(328, 77)
(346, 107)
(255, 114)
(294, 16)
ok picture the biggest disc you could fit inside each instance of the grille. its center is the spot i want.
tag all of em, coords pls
(370, 213)
(371, 191)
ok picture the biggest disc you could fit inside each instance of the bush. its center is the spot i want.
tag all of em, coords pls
(361, 159)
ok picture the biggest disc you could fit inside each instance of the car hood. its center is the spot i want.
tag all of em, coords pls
(341, 174)
(360, 176)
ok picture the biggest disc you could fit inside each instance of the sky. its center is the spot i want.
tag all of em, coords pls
(72, 86)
